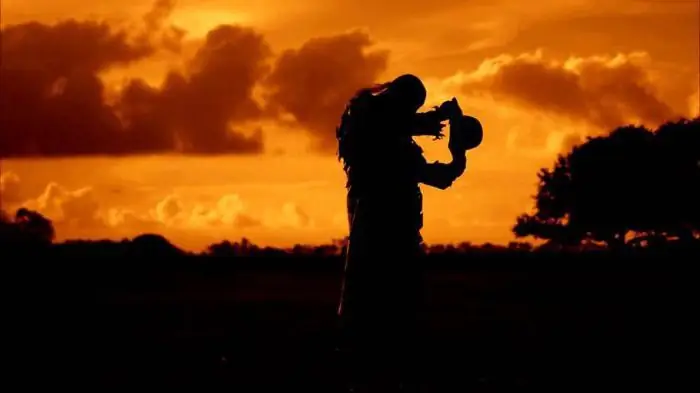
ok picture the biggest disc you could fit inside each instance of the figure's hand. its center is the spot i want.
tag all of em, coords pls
(434, 129)
(451, 109)
(427, 124)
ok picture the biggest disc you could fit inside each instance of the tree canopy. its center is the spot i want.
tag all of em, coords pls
(26, 230)
(629, 184)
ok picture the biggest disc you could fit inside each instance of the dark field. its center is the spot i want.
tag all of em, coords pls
(502, 322)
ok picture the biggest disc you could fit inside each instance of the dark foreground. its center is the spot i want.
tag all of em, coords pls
(498, 323)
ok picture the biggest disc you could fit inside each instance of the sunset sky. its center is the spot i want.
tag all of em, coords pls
(207, 120)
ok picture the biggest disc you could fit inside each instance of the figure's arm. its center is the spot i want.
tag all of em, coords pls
(442, 175)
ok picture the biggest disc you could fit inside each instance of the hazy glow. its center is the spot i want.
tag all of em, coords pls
(198, 22)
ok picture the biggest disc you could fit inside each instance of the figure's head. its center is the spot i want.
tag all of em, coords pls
(406, 92)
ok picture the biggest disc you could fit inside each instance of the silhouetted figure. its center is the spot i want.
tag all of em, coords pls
(384, 167)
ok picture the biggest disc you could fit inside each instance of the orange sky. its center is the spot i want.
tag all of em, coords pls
(251, 91)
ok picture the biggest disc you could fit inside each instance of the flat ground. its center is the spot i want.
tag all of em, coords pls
(254, 326)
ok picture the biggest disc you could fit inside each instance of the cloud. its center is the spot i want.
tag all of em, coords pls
(10, 188)
(602, 91)
(169, 210)
(193, 111)
(53, 101)
(78, 207)
(290, 216)
(160, 12)
(168, 37)
(294, 216)
(314, 82)
(81, 209)
(88, 213)
(229, 211)
(230, 208)
(127, 218)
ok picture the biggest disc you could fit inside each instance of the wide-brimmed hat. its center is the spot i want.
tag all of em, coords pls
(468, 134)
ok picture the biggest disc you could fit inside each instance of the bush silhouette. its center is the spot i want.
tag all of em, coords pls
(26, 231)
(629, 185)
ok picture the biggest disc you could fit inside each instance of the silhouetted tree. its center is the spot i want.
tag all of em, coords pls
(221, 249)
(153, 245)
(519, 246)
(4, 218)
(612, 188)
(342, 245)
(679, 196)
(227, 249)
(28, 231)
(302, 249)
(35, 225)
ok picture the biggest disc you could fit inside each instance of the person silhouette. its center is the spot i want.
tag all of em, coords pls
(384, 168)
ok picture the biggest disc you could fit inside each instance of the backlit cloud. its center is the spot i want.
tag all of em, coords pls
(194, 111)
(168, 210)
(53, 101)
(229, 211)
(290, 216)
(603, 91)
(10, 188)
(79, 207)
(157, 29)
(314, 82)
(83, 208)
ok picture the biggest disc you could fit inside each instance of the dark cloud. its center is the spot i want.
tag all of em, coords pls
(52, 99)
(10, 188)
(193, 111)
(67, 47)
(314, 82)
(160, 12)
(605, 92)
(156, 29)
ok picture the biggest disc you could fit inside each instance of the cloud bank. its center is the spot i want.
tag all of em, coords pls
(314, 82)
(54, 102)
(603, 91)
